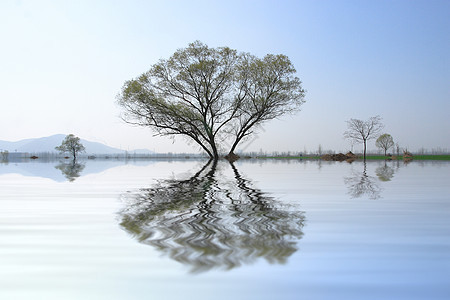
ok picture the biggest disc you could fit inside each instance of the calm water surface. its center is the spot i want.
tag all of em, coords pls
(249, 230)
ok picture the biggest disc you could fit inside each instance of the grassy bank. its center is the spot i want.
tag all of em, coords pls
(415, 157)
(369, 157)
(288, 157)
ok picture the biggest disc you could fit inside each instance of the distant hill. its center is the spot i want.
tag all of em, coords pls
(48, 144)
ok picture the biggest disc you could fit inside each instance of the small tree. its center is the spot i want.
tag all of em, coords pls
(385, 141)
(362, 131)
(72, 145)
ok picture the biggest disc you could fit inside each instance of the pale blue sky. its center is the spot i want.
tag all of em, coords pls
(62, 64)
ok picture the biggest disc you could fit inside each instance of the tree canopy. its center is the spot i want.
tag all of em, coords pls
(385, 141)
(215, 97)
(72, 145)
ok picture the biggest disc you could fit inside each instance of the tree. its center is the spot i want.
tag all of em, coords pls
(72, 145)
(361, 131)
(215, 97)
(270, 91)
(385, 141)
(319, 151)
(397, 148)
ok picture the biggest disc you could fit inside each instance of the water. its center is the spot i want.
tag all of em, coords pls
(253, 230)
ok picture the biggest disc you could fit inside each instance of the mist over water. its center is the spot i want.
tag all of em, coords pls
(249, 230)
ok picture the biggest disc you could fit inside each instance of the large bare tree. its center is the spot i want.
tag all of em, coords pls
(361, 131)
(215, 97)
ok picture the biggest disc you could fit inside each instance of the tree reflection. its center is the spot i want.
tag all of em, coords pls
(359, 184)
(71, 170)
(213, 221)
(385, 173)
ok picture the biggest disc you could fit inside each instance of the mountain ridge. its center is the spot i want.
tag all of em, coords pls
(48, 144)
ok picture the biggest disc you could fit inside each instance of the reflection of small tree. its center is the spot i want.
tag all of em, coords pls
(360, 183)
(385, 142)
(385, 173)
(362, 131)
(71, 171)
(72, 145)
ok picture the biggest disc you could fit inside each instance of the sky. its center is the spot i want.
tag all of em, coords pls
(63, 63)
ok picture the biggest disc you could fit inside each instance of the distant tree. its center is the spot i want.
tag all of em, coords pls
(397, 148)
(215, 97)
(385, 142)
(319, 150)
(361, 131)
(72, 145)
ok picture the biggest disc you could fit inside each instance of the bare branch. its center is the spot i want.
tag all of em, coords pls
(361, 131)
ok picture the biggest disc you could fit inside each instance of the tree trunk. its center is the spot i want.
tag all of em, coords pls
(231, 156)
(231, 152)
(364, 150)
(215, 153)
